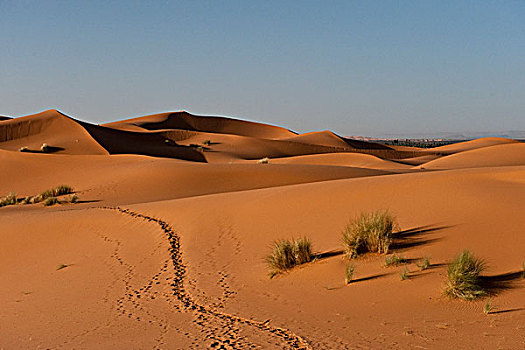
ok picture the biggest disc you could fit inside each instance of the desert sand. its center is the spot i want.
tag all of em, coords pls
(165, 248)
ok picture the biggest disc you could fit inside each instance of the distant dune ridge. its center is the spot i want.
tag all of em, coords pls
(175, 214)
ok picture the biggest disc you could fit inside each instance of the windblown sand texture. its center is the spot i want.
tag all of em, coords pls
(165, 249)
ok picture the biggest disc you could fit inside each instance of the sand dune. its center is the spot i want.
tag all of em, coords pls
(344, 159)
(506, 154)
(187, 121)
(473, 144)
(166, 246)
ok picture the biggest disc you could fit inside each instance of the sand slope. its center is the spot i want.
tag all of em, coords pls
(166, 247)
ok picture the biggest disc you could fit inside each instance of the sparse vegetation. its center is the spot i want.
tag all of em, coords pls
(487, 308)
(349, 273)
(10, 199)
(425, 264)
(287, 254)
(404, 274)
(463, 277)
(395, 260)
(50, 201)
(264, 160)
(48, 197)
(370, 232)
(45, 148)
(207, 142)
(23, 149)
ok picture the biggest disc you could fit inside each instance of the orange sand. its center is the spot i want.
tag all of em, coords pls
(166, 247)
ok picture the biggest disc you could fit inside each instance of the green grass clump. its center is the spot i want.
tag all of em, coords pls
(349, 273)
(53, 192)
(50, 201)
(404, 274)
(395, 260)
(287, 254)
(463, 277)
(370, 232)
(425, 264)
(10, 199)
(487, 308)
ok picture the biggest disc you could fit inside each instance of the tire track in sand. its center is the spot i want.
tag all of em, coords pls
(188, 302)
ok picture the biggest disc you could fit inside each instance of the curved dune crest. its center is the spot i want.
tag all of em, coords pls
(359, 160)
(186, 121)
(473, 144)
(508, 154)
(51, 127)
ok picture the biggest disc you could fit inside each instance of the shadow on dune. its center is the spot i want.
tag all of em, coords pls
(497, 283)
(508, 310)
(413, 237)
(369, 278)
(329, 254)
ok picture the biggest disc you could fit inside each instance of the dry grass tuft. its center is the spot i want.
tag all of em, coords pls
(287, 254)
(10, 199)
(463, 277)
(370, 232)
(264, 160)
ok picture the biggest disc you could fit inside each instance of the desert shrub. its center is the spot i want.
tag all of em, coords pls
(207, 142)
(349, 273)
(27, 200)
(61, 190)
(287, 254)
(395, 260)
(487, 308)
(10, 199)
(53, 192)
(50, 201)
(370, 232)
(425, 264)
(463, 277)
(404, 275)
(23, 149)
(73, 199)
(45, 148)
(264, 160)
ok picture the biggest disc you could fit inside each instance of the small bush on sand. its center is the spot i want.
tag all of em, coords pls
(73, 199)
(45, 148)
(264, 160)
(395, 260)
(10, 199)
(207, 142)
(23, 149)
(27, 200)
(53, 192)
(61, 190)
(463, 277)
(50, 201)
(349, 273)
(425, 264)
(370, 232)
(404, 274)
(487, 308)
(286, 254)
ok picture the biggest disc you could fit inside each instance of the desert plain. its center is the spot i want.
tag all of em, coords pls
(166, 245)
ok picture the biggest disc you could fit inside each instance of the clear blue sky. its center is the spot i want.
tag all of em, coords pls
(354, 67)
